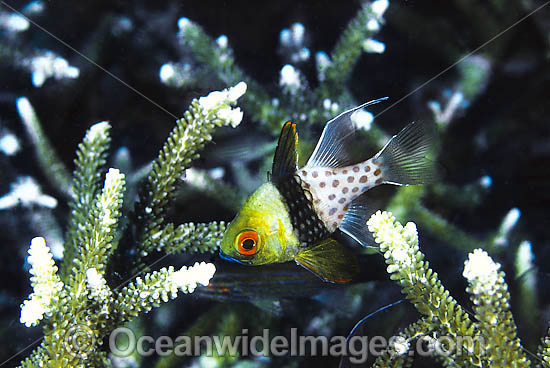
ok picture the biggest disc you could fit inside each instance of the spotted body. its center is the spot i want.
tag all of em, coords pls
(294, 215)
(334, 189)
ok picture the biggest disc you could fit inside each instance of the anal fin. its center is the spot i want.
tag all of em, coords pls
(330, 261)
(354, 223)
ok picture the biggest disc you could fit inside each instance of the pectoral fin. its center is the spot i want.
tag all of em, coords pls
(330, 261)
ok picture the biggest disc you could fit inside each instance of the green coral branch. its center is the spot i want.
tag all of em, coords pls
(159, 287)
(90, 159)
(489, 294)
(97, 236)
(83, 302)
(81, 309)
(49, 162)
(188, 237)
(492, 338)
(37, 358)
(220, 60)
(419, 283)
(74, 334)
(348, 49)
(188, 137)
(544, 351)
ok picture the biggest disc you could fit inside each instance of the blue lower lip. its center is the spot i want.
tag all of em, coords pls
(227, 258)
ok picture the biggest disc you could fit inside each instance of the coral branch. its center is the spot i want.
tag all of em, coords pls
(419, 283)
(490, 296)
(89, 163)
(160, 286)
(49, 162)
(189, 237)
(45, 283)
(188, 137)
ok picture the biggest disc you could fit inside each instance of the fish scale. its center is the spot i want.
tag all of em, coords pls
(333, 189)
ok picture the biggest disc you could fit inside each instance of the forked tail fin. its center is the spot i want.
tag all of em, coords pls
(403, 160)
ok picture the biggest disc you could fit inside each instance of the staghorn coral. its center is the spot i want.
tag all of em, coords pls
(79, 307)
(492, 337)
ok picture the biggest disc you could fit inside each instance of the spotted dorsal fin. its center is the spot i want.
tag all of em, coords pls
(331, 148)
(286, 155)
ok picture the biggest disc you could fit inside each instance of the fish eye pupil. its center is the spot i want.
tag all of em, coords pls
(248, 244)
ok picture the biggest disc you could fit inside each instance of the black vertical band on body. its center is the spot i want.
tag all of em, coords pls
(308, 225)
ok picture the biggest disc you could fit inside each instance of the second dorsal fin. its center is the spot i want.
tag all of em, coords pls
(331, 148)
(286, 155)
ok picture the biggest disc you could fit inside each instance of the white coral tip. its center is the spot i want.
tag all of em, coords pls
(32, 311)
(98, 130)
(481, 272)
(237, 91)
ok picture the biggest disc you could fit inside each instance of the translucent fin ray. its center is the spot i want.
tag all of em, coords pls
(330, 261)
(403, 159)
(355, 220)
(331, 148)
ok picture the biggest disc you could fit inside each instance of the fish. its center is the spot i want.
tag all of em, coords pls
(274, 287)
(233, 282)
(297, 214)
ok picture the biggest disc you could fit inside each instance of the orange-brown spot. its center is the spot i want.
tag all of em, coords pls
(363, 179)
(304, 173)
(340, 216)
(377, 172)
(306, 185)
(344, 171)
(335, 183)
(328, 173)
(346, 207)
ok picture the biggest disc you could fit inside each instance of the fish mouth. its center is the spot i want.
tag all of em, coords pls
(231, 259)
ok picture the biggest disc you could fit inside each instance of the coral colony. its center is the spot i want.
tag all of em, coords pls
(79, 300)
(81, 290)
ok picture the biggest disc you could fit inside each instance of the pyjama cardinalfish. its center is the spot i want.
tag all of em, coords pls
(293, 217)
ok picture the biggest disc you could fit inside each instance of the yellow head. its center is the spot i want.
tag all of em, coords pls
(262, 232)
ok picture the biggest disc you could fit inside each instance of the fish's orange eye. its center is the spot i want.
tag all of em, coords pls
(247, 242)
